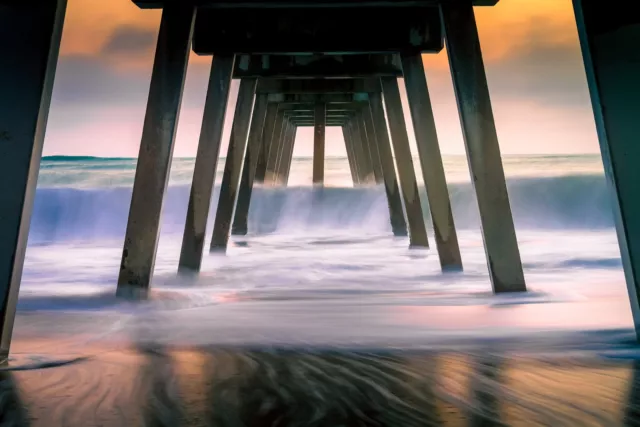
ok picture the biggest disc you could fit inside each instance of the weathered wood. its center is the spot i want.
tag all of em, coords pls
(276, 143)
(289, 156)
(317, 86)
(435, 182)
(353, 168)
(285, 99)
(481, 143)
(156, 151)
(29, 46)
(364, 163)
(366, 148)
(299, 30)
(267, 139)
(317, 66)
(233, 165)
(367, 121)
(282, 148)
(157, 4)
(394, 199)
(609, 34)
(204, 174)
(255, 146)
(320, 121)
(404, 163)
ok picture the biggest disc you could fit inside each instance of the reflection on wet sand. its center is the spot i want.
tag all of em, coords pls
(225, 387)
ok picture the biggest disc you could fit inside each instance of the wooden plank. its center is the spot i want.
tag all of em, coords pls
(317, 66)
(300, 30)
(158, 4)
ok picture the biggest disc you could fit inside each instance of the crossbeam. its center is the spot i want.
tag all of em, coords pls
(317, 66)
(295, 30)
(318, 86)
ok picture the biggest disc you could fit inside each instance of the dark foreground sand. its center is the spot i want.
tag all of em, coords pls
(152, 385)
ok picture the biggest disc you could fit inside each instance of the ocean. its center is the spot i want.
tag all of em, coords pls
(321, 266)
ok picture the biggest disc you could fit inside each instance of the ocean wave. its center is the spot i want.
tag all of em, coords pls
(568, 202)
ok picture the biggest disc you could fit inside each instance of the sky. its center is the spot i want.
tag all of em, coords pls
(532, 57)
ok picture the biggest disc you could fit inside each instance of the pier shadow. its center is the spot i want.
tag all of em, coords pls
(13, 412)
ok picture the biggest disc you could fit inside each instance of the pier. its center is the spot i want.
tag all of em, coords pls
(296, 70)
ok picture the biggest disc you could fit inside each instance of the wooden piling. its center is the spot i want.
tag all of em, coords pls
(29, 45)
(156, 150)
(609, 33)
(267, 139)
(481, 143)
(320, 120)
(233, 165)
(394, 199)
(252, 160)
(404, 163)
(350, 156)
(254, 147)
(276, 142)
(435, 182)
(204, 174)
(367, 121)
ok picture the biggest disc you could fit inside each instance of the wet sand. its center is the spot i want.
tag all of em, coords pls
(147, 383)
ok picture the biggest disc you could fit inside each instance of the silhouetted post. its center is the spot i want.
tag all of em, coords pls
(372, 177)
(274, 151)
(362, 157)
(373, 143)
(259, 140)
(396, 214)
(404, 162)
(481, 142)
(609, 33)
(320, 121)
(286, 128)
(156, 150)
(233, 165)
(29, 45)
(289, 156)
(204, 174)
(435, 183)
(350, 157)
(251, 157)
(267, 138)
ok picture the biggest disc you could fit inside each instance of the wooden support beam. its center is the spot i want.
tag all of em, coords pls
(372, 178)
(350, 157)
(483, 150)
(233, 165)
(204, 174)
(261, 4)
(364, 161)
(289, 157)
(394, 199)
(285, 99)
(254, 148)
(435, 182)
(276, 143)
(320, 121)
(404, 163)
(318, 86)
(29, 45)
(317, 66)
(282, 148)
(367, 121)
(609, 34)
(156, 151)
(299, 30)
(267, 142)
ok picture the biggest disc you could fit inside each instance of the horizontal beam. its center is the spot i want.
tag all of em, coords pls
(318, 86)
(332, 98)
(261, 4)
(296, 30)
(317, 66)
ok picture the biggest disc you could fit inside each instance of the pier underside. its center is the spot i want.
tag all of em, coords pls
(317, 64)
